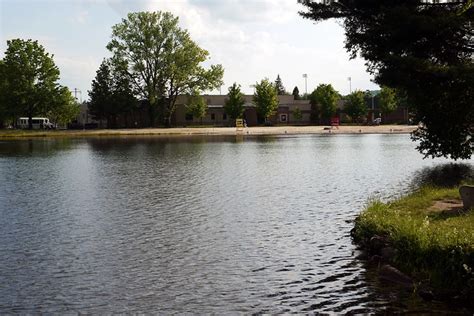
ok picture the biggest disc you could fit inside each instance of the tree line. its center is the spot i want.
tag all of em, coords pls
(324, 102)
(29, 86)
(154, 60)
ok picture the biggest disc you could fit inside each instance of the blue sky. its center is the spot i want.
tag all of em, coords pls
(252, 39)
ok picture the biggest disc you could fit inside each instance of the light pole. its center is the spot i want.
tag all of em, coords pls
(305, 76)
(350, 84)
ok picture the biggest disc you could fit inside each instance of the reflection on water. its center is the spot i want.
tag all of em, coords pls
(445, 175)
(197, 225)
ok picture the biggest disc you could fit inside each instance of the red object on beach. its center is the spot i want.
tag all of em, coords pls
(335, 121)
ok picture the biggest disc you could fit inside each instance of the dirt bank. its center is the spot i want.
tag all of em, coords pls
(267, 130)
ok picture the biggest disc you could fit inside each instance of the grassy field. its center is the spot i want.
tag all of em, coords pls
(433, 238)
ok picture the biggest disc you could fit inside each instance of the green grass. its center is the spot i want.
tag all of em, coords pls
(434, 246)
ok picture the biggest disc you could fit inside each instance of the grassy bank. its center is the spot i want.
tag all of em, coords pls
(432, 241)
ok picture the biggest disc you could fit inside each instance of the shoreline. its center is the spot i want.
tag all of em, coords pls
(218, 131)
(400, 238)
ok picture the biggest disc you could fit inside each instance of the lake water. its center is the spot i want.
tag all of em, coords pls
(197, 225)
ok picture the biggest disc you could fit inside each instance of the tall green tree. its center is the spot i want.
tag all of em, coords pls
(387, 100)
(265, 98)
(3, 108)
(326, 97)
(124, 99)
(101, 94)
(30, 80)
(111, 94)
(355, 106)
(428, 57)
(234, 103)
(64, 107)
(296, 93)
(280, 89)
(161, 60)
(196, 106)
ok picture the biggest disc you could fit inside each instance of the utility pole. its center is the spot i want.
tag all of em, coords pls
(305, 76)
(76, 91)
(350, 84)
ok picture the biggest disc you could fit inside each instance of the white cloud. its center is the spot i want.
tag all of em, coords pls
(75, 70)
(252, 39)
(249, 11)
(81, 17)
(244, 37)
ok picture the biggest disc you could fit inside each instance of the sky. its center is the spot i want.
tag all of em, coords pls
(252, 39)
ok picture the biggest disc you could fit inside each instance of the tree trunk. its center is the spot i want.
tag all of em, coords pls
(151, 113)
(168, 120)
(30, 121)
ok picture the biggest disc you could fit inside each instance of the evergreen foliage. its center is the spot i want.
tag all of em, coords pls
(296, 93)
(429, 57)
(111, 94)
(280, 89)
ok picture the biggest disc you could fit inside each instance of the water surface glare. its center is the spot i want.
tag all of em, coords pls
(198, 225)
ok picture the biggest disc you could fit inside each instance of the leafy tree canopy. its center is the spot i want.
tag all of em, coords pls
(196, 105)
(297, 114)
(161, 59)
(234, 104)
(387, 100)
(429, 57)
(326, 97)
(29, 84)
(356, 106)
(265, 98)
(64, 107)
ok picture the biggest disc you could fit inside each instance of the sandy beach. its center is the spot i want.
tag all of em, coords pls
(261, 130)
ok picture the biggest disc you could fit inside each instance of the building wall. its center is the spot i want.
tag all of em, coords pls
(216, 114)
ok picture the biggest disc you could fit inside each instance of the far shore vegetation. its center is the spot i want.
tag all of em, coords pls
(154, 60)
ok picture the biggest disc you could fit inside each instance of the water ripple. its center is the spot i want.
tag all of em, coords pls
(199, 225)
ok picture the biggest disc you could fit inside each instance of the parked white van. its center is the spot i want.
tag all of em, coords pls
(38, 123)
